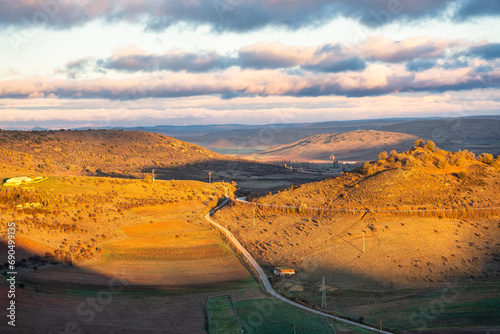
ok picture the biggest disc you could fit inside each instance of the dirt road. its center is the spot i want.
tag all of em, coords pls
(265, 280)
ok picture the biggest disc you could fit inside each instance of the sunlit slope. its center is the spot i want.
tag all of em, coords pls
(421, 178)
(108, 151)
(354, 145)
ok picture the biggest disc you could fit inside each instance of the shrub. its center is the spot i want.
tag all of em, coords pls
(383, 155)
(430, 145)
(368, 169)
(419, 143)
(486, 158)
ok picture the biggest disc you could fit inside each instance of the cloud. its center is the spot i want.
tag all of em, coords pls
(376, 79)
(349, 64)
(486, 51)
(77, 67)
(175, 60)
(234, 15)
(274, 55)
(420, 65)
(388, 50)
(477, 8)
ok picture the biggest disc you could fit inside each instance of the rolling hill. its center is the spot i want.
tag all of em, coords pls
(395, 236)
(361, 145)
(474, 134)
(422, 176)
(123, 152)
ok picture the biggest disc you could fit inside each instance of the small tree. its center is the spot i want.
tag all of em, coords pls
(383, 155)
(368, 169)
(394, 153)
(419, 143)
(486, 158)
(430, 145)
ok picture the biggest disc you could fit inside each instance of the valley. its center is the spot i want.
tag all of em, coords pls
(409, 240)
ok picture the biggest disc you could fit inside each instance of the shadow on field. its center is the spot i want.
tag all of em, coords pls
(53, 297)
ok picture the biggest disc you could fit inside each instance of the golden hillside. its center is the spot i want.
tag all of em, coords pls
(104, 151)
(423, 177)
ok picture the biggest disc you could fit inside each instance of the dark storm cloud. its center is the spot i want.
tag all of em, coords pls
(233, 15)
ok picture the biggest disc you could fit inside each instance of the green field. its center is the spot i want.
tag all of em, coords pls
(267, 316)
(221, 316)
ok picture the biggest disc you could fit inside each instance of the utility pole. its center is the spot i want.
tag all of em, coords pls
(323, 293)
(209, 177)
(153, 175)
(253, 215)
(363, 241)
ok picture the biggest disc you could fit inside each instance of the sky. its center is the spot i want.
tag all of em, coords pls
(67, 63)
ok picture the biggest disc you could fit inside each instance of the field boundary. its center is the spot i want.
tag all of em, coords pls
(461, 210)
(211, 316)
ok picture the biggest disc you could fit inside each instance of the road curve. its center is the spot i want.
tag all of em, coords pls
(265, 280)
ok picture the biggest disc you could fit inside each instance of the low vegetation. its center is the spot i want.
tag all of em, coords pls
(390, 238)
(424, 181)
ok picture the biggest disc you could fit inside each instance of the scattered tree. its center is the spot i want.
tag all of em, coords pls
(486, 158)
(430, 145)
(383, 155)
(419, 143)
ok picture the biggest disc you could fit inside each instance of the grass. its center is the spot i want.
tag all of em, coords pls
(266, 316)
(456, 306)
(222, 318)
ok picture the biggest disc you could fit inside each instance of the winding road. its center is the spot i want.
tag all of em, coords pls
(265, 280)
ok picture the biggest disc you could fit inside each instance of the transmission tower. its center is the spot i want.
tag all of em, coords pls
(323, 293)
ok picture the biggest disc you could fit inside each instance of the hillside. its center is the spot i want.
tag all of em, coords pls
(361, 145)
(123, 152)
(78, 238)
(423, 176)
(394, 236)
(477, 135)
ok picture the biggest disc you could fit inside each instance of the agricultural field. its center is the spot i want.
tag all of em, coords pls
(222, 317)
(263, 315)
(138, 251)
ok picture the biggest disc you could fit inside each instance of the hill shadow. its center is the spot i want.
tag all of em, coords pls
(53, 297)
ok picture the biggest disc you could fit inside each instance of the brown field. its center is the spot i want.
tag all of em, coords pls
(170, 253)
(148, 238)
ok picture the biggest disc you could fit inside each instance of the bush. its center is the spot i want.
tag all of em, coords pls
(486, 158)
(368, 169)
(383, 155)
(419, 143)
(430, 145)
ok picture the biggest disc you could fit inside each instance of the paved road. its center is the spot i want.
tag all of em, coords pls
(265, 280)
